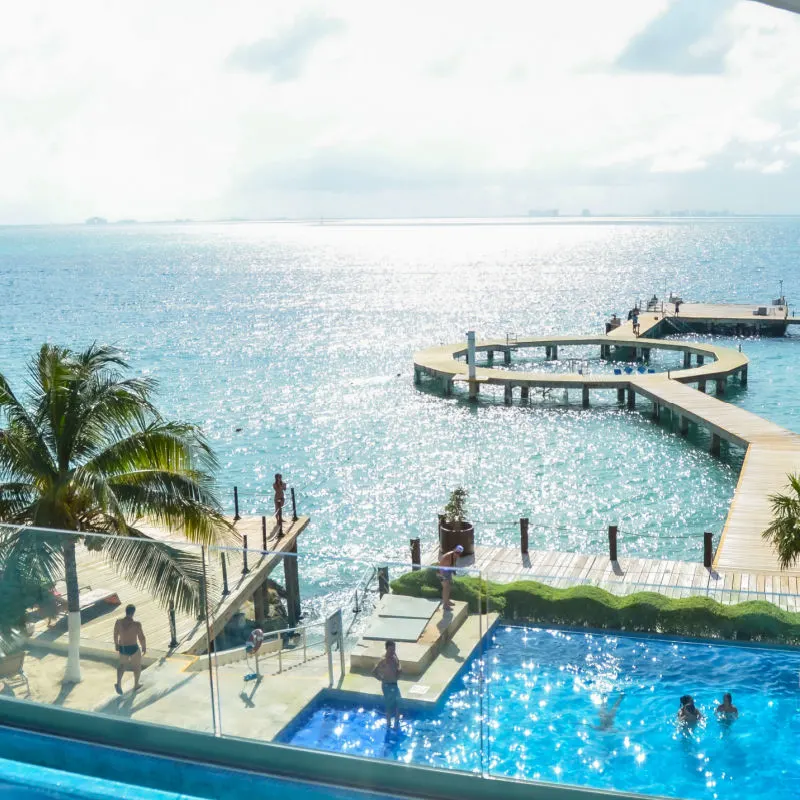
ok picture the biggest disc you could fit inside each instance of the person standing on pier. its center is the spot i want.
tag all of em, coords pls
(279, 487)
(635, 321)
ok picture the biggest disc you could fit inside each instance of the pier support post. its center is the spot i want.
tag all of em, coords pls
(507, 356)
(471, 373)
(547, 352)
(258, 606)
(448, 387)
(554, 352)
(743, 376)
(508, 394)
(683, 426)
(263, 533)
(720, 387)
(646, 353)
(603, 351)
(523, 535)
(701, 360)
(620, 395)
(490, 358)
(715, 443)
(708, 549)
(585, 399)
(525, 393)
(291, 574)
(417, 376)
(416, 554)
(701, 386)
(612, 542)
(687, 360)
(656, 412)
(631, 399)
(638, 354)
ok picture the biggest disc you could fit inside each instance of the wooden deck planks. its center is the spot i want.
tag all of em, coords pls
(669, 577)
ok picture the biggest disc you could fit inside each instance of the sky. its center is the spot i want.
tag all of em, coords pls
(263, 109)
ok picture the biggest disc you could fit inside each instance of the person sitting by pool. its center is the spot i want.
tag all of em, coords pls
(448, 562)
(689, 712)
(726, 709)
(608, 715)
(387, 671)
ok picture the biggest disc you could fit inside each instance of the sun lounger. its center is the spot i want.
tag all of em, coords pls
(12, 673)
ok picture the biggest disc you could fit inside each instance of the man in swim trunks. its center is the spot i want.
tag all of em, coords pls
(387, 671)
(448, 561)
(128, 635)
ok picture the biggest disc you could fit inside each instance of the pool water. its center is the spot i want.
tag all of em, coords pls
(98, 770)
(539, 718)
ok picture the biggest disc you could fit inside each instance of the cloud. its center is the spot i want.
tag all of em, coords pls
(284, 56)
(687, 39)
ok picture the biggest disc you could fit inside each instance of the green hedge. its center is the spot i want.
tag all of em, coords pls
(590, 607)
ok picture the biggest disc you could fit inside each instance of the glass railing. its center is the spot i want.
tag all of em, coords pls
(521, 678)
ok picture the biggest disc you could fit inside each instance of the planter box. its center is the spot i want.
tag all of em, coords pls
(449, 538)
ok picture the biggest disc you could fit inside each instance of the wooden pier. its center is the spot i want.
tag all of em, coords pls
(772, 452)
(628, 575)
(95, 572)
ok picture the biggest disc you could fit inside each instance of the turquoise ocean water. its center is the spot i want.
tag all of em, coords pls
(302, 336)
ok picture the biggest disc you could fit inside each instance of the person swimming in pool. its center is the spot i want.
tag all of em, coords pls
(608, 715)
(689, 712)
(128, 635)
(726, 709)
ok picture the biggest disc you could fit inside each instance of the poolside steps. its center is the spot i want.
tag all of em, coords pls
(415, 657)
(631, 574)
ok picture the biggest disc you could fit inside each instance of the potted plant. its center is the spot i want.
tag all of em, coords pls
(453, 526)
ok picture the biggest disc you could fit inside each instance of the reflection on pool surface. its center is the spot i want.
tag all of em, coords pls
(539, 718)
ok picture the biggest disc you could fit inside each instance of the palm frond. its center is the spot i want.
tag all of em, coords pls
(30, 556)
(784, 530)
(168, 573)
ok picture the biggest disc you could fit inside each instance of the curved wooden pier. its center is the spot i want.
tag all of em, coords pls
(771, 451)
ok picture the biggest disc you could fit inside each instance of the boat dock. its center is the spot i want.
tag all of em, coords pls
(737, 319)
(771, 452)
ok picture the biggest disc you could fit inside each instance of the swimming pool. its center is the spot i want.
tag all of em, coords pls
(538, 719)
(99, 773)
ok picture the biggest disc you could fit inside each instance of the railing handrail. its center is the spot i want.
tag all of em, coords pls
(296, 628)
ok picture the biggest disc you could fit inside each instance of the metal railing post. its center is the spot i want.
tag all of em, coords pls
(304, 645)
(294, 506)
(416, 556)
(225, 589)
(523, 535)
(708, 549)
(173, 628)
(245, 568)
(280, 521)
(236, 516)
(612, 542)
(263, 533)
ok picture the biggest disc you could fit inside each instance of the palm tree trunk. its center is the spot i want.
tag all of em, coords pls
(72, 674)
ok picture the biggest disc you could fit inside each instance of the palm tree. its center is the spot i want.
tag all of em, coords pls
(87, 452)
(784, 532)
